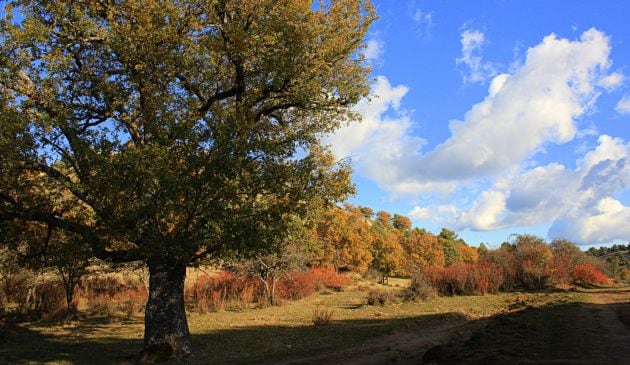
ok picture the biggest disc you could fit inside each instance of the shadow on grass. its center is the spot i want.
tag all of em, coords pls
(244, 345)
(557, 333)
(20, 345)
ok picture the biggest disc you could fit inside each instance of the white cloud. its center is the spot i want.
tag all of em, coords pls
(485, 213)
(623, 106)
(420, 213)
(537, 104)
(607, 222)
(478, 71)
(612, 81)
(423, 22)
(374, 50)
(579, 202)
(440, 213)
(375, 129)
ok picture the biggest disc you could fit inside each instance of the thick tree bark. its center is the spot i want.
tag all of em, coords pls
(165, 323)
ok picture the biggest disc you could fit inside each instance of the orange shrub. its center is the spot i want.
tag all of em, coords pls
(589, 274)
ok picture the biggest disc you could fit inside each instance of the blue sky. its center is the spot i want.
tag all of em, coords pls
(498, 117)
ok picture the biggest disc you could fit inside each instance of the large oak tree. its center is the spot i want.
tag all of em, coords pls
(179, 128)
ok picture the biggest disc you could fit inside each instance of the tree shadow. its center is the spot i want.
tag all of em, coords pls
(20, 345)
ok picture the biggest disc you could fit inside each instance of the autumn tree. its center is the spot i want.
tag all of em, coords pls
(469, 254)
(532, 258)
(367, 212)
(566, 255)
(401, 223)
(384, 219)
(388, 255)
(345, 239)
(188, 128)
(423, 249)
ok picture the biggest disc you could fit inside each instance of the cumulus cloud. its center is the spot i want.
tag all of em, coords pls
(485, 213)
(623, 106)
(440, 213)
(420, 213)
(606, 222)
(579, 202)
(375, 127)
(538, 103)
(477, 70)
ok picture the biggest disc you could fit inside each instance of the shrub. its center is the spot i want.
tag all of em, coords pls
(327, 276)
(322, 316)
(488, 277)
(589, 274)
(18, 287)
(50, 301)
(106, 295)
(381, 297)
(532, 277)
(466, 279)
(132, 301)
(223, 290)
(295, 286)
(420, 289)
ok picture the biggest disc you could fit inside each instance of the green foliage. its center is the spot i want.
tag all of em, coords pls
(451, 244)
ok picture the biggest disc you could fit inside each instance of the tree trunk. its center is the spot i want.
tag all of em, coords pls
(165, 323)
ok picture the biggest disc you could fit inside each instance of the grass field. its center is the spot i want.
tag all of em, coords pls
(279, 334)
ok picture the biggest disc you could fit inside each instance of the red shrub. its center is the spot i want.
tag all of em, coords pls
(132, 301)
(107, 295)
(295, 285)
(562, 266)
(488, 277)
(222, 290)
(327, 276)
(588, 274)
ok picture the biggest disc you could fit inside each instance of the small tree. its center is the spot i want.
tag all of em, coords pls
(388, 255)
(69, 256)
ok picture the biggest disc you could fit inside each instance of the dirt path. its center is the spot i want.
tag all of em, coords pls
(398, 347)
(594, 332)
